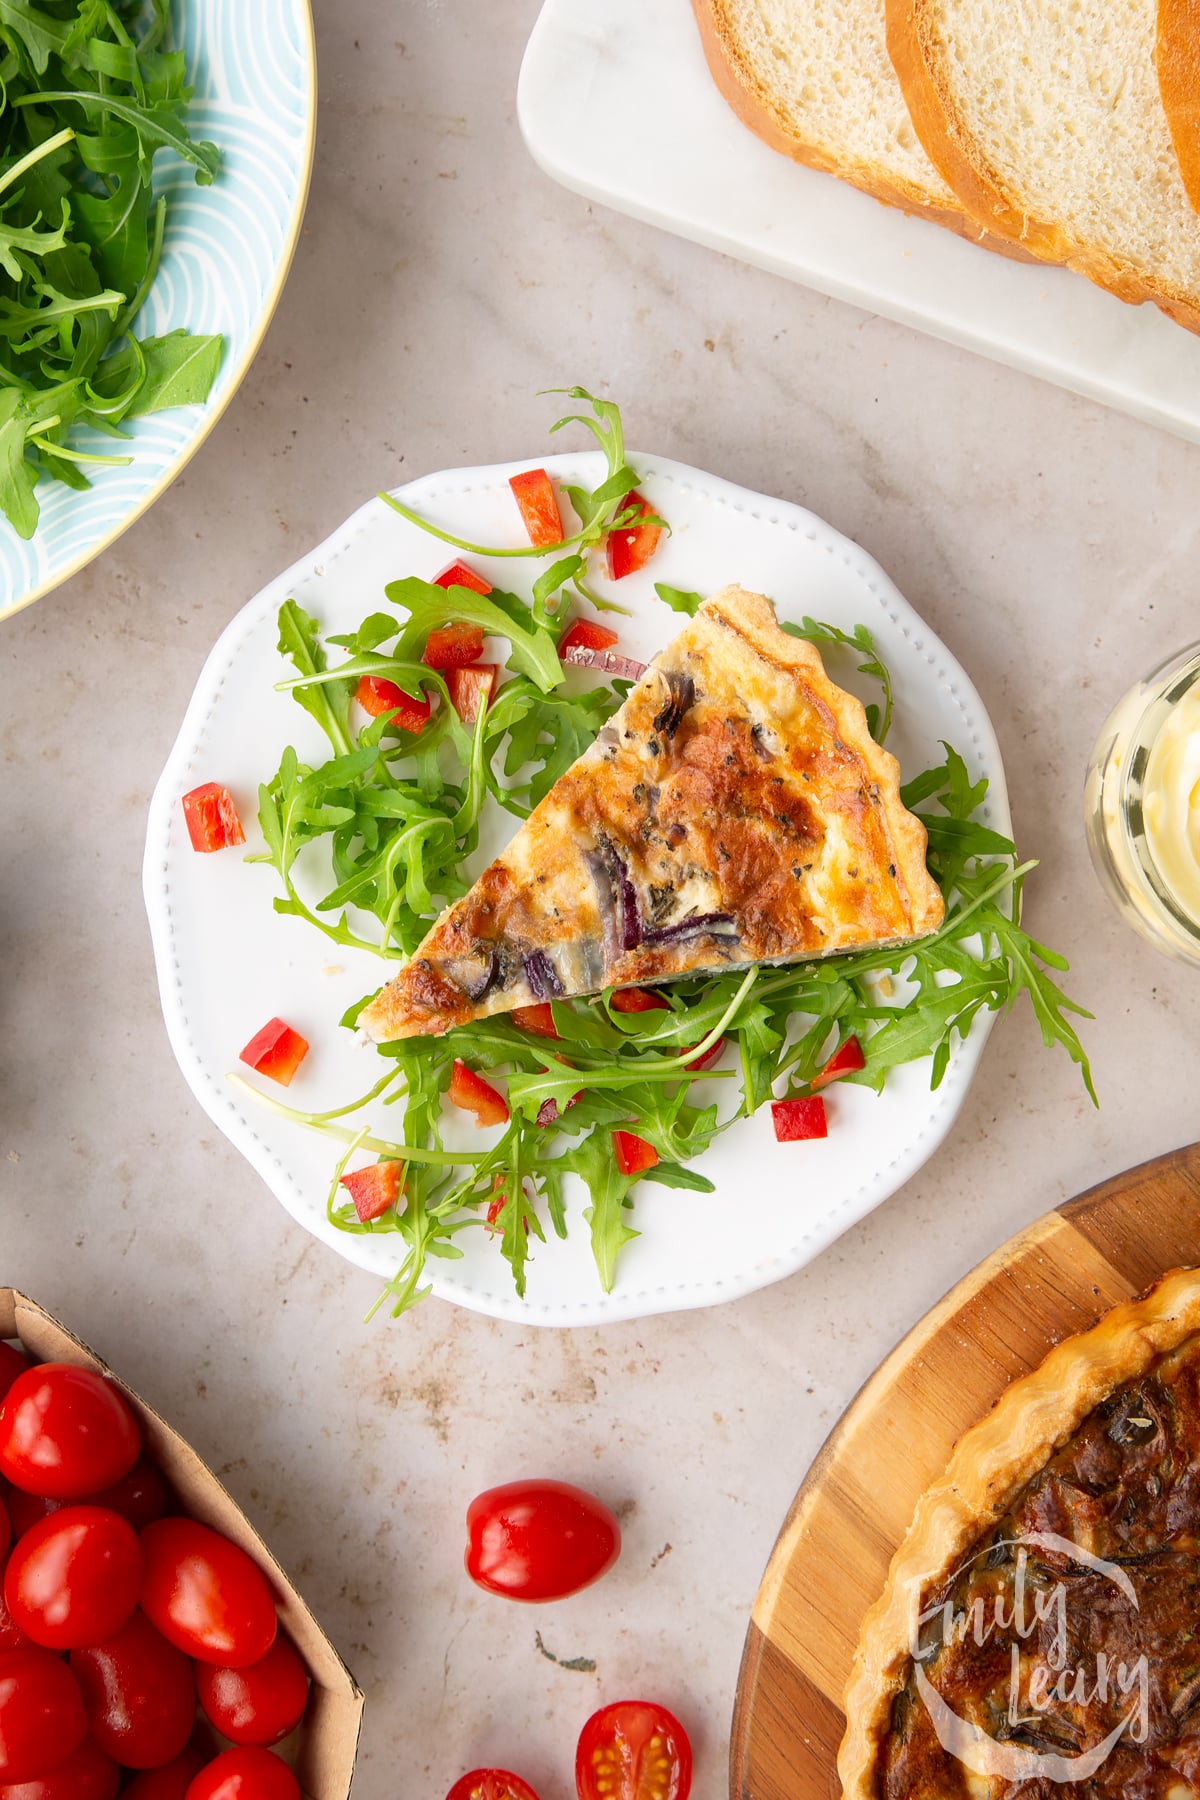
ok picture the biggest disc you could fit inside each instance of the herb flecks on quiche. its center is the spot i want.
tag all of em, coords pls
(1050, 1587)
(734, 810)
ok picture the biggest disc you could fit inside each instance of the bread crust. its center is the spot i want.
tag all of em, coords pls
(954, 151)
(1178, 61)
(990, 1465)
(734, 810)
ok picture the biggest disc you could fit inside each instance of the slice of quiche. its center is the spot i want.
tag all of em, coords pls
(734, 810)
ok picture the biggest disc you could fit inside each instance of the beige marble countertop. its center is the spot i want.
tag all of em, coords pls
(440, 282)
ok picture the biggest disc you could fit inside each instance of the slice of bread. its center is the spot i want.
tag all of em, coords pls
(1179, 84)
(813, 79)
(1045, 118)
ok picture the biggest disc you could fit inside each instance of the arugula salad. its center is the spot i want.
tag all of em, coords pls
(602, 1089)
(90, 93)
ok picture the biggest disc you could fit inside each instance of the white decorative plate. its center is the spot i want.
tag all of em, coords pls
(616, 102)
(226, 256)
(227, 962)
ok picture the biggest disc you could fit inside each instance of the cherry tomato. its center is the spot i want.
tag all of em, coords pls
(138, 1693)
(633, 1750)
(41, 1714)
(244, 1774)
(205, 1595)
(257, 1704)
(13, 1362)
(73, 1578)
(87, 1774)
(11, 1635)
(65, 1432)
(171, 1782)
(491, 1784)
(539, 1540)
(141, 1496)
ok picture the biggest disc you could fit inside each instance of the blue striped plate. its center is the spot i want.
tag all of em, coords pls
(227, 253)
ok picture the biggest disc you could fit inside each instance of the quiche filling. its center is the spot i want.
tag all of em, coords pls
(734, 810)
(1071, 1630)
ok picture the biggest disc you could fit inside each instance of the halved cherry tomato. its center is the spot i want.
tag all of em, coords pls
(258, 1704)
(374, 1189)
(491, 1784)
(708, 1059)
(635, 1000)
(847, 1059)
(376, 696)
(212, 818)
(534, 493)
(276, 1052)
(539, 1019)
(42, 1720)
(65, 1432)
(245, 1774)
(473, 1094)
(795, 1120)
(634, 1155)
(461, 574)
(73, 1578)
(87, 1774)
(587, 635)
(13, 1362)
(633, 1750)
(139, 1694)
(469, 688)
(453, 646)
(539, 1540)
(171, 1782)
(630, 547)
(205, 1595)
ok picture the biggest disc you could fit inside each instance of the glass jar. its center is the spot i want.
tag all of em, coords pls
(1142, 800)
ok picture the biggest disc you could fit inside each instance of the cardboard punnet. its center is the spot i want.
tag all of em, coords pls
(328, 1738)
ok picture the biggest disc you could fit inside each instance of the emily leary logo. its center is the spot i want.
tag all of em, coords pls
(1040, 1676)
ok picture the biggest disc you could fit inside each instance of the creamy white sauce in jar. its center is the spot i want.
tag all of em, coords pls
(1171, 803)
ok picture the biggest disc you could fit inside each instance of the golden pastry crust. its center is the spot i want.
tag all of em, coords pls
(734, 810)
(990, 1466)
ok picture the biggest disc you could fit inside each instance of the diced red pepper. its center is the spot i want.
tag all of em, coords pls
(538, 1018)
(470, 688)
(453, 646)
(376, 696)
(709, 1058)
(473, 1094)
(797, 1119)
(534, 494)
(212, 818)
(635, 999)
(497, 1204)
(630, 547)
(847, 1059)
(374, 1189)
(585, 634)
(634, 1155)
(276, 1052)
(548, 1112)
(460, 574)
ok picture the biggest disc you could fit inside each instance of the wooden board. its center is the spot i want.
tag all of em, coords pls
(831, 1558)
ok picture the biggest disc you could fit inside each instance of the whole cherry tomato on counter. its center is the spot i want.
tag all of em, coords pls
(205, 1595)
(539, 1540)
(491, 1784)
(171, 1782)
(245, 1775)
(65, 1432)
(87, 1774)
(41, 1714)
(139, 1695)
(73, 1578)
(633, 1750)
(257, 1704)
